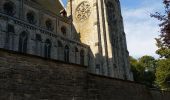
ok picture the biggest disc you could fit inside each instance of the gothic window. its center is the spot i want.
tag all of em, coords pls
(82, 57)
(11, 28)
(49, 24)
(38, 42)
(76, 54)
(98, 68)
(60, 50)
(31, 17)
(47, 49)
(9, 8)
(9, 39)
(66, 54)
(38, 37)
(64, 30)
(59, 44)
(83, 11)
(23, 39)
(111, 12)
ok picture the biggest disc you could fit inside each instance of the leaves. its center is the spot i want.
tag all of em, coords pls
(163, 41)
(163, 74)
(163, 44)
(144, 69)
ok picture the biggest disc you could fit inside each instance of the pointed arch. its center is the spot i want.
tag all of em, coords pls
(38, 45)
(64, 30)
(60, 50)
(9, 37)
(60, 44)
(66, 54)
(47, 48)
(49, 24)
(82, 55)
(31, 17)
(23, 42)
(9, 8)
(76, 55)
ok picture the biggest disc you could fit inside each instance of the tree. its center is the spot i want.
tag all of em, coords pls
(163, 41)
(163, 74)
(148, 62)
(163, 44)
(144, 70)
(137, 69)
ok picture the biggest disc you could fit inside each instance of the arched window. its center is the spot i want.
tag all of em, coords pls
(38, 37)
(9, 37)
(76, 55)
(31, 17)
(82, 57)
(111, 12)
(64, 30)
(47, 49)
(66, 54)
(38, 47)
(49, 24)
(98, 68)
(9, 8)
(23, 39)
(60, 44)
(60, 51)
(11, 28)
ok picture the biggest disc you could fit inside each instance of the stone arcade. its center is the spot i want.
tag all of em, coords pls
(91, 33)
(78, 53)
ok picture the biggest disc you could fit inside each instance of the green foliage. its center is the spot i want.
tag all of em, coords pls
(148, 62)
(144, 70)
(163, 74)
(163, 44)
(163, 41)
(163, 52)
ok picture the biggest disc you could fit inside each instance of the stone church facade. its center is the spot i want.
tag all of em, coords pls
(91, 33)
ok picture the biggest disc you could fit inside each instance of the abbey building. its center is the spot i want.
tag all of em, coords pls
(86, 32)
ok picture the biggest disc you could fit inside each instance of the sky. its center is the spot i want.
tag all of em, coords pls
(139, 27)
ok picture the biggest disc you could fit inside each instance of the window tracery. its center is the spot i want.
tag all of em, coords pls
(64, 30)
(9, 8)
(23, 39)
(47, 51)
(82, 57)
(66, 54)
(49, 25)
(83, 11)
(31, 17)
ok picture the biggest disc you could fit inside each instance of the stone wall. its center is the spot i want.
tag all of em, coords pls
(160, 95)
(103, 88)
(27, 77)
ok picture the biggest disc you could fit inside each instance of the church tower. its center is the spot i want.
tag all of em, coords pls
(100, 25)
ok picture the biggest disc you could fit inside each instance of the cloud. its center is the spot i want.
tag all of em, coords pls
(140, 28)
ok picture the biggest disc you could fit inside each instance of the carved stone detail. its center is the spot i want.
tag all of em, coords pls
(83, 11)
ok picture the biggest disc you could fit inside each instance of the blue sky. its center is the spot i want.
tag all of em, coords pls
(140, 28)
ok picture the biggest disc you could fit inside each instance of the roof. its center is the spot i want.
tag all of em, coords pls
(54, 6)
